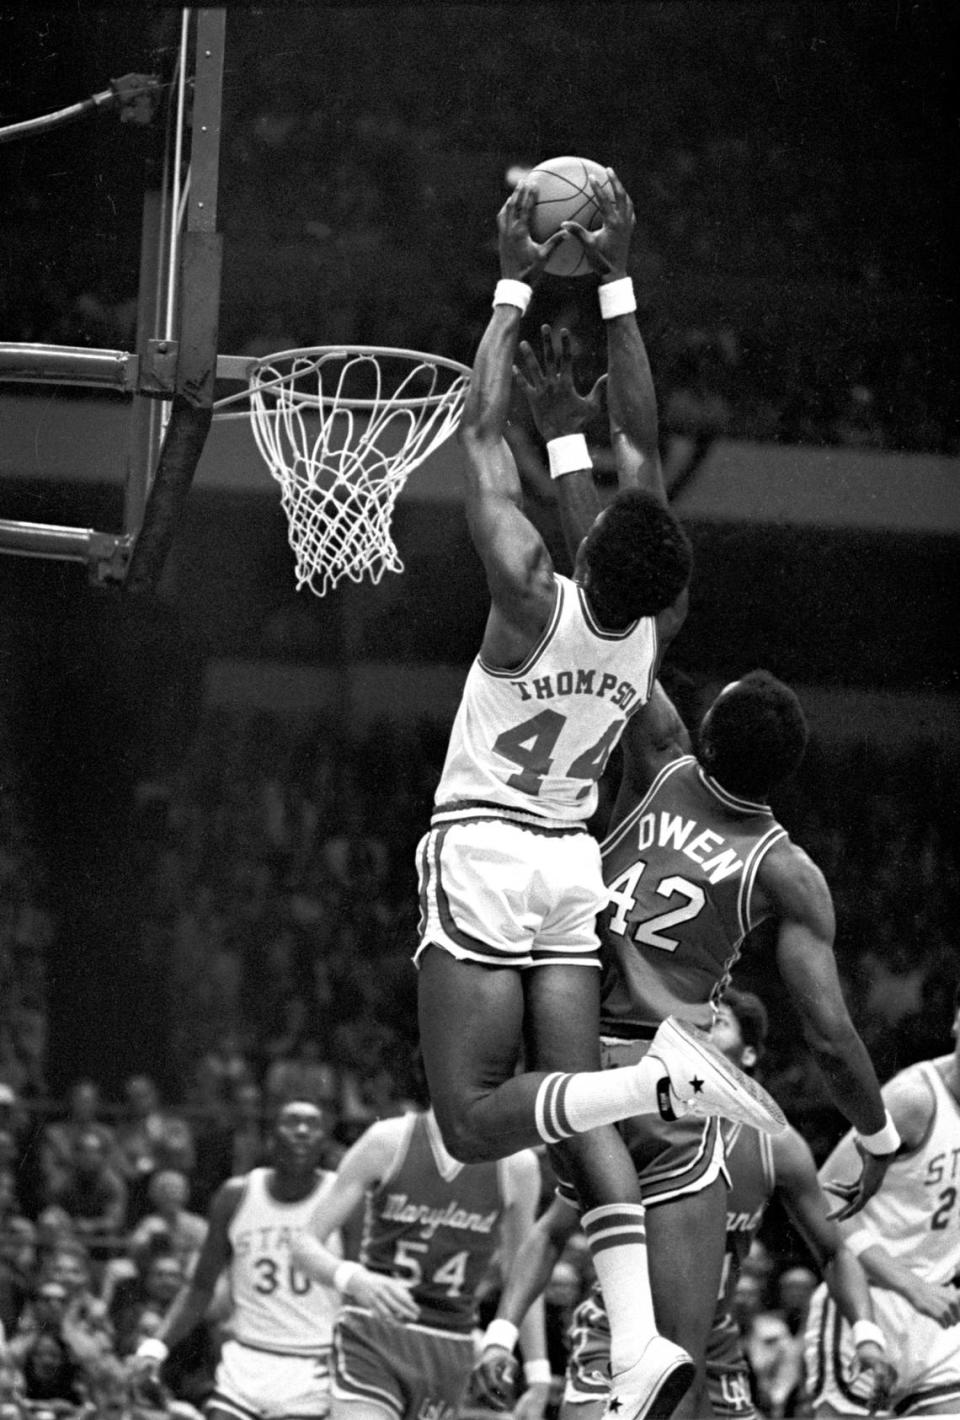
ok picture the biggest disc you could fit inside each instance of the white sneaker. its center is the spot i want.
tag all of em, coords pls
(654, 1386)
(706, 1082)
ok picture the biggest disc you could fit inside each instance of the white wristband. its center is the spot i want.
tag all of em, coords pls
(151, 1348)
(864, 1330)
(568, 454)
(537, 1372)
(344, 1275)
(512, 293)
(617, 298)
(500, 1332)
(885, 1141)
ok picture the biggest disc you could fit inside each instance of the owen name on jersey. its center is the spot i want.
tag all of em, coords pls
(578, 682)
(701, 845)
(398, 1209)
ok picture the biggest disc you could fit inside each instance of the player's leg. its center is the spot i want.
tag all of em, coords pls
(650, 1374)
(685, 1249)
(474, 941)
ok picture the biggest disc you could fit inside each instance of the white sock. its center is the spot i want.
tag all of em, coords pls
(573, 1104)
(618, 1246)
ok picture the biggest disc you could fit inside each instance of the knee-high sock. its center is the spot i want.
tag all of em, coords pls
(572, 1104)
(618, 1246)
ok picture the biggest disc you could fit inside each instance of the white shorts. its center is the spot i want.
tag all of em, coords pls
(506, 894)
(927, 1357)
(266, 1385)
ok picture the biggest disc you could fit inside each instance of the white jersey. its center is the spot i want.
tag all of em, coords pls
(535, 739)
(275, 1306)
(916, 1212)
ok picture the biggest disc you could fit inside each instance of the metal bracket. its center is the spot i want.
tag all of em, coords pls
(158, 369)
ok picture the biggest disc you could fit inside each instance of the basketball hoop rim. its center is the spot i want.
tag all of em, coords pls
(243, 367)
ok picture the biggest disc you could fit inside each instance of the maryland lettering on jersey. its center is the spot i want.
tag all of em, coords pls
(745, 1222)
(397, 1208)
(578, 682)
(709, 850)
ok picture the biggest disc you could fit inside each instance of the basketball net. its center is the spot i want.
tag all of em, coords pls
(341, 429)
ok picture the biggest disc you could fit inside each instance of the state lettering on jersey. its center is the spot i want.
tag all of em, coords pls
(397, 1208)
(943, 1168)
(709, 850)
(249, 1240)
(578, 682)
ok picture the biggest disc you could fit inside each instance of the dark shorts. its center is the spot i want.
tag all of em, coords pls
(404, 1369)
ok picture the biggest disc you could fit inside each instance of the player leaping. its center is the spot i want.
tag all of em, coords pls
(510, 879)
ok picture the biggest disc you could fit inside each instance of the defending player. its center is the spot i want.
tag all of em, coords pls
(403, 1341)
(758, 1167)
(693, 860)
(908, 1240)
(510, 879)
(277, 1364)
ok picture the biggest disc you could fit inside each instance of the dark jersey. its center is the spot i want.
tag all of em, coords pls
(681, 868)
(436, 1231)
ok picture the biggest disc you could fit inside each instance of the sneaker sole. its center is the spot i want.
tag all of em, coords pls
(661, 1404)
(765, 1114)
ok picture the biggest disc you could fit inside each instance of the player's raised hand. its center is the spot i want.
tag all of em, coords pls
(607, 249)
(855, 1195)
(385, 1296)
(494, 1379)
(521, 258)
(557, 405)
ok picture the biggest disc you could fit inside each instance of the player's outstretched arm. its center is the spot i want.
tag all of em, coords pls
(559, 410)
(631, 396)
(529, 1272)
(513, 552)
(522, 1190)
(364, 1165)
(910, 1104)
(799, 1189)
(655, 736)
(797, 893)
(192, 1303)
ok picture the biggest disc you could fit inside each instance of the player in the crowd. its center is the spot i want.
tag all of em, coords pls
(693, 860)
(404, 1336)
(275, 1366)
(759, 1167)
(510, 878)
(908, 1240)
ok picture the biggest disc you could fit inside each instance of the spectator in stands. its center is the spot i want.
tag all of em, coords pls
(172, 1222)
(145, 1297)
(232, 1147)
(86, 1326)
(94, 1196)
(58, 1141)
(795, 1286)
(18, 1263)
(50, 1372)
(150, 1138)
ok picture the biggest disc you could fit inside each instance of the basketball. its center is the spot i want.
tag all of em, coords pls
(563, 195)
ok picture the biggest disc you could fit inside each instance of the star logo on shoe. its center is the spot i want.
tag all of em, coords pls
(614, 1405)
(697, 1086)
